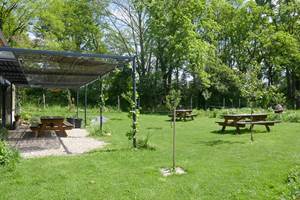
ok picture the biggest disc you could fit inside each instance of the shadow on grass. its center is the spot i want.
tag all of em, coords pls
(154, 128)
(219, 142)
(129, 149)
(162, 113)
(116, 119)
(233, 132)
(110, 150)
(179, 121)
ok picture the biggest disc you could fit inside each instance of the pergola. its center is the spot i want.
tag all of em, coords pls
(56, 69)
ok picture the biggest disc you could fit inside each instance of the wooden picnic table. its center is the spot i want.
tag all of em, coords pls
(52, 123)
(183, 114)
(241, 120)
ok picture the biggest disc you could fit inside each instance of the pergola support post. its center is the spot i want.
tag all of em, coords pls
(11, 106)
(85, 105)
(135, 102)
(77, 103)
(4, 90)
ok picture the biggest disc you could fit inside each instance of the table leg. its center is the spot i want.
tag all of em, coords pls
(251, 127)
(62, 130)
(237, 129)
(268, 128)
(223, 128)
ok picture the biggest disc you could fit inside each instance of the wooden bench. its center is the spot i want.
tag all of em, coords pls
(264, 123)
(191, 116)
(68, 126)
(231, 123)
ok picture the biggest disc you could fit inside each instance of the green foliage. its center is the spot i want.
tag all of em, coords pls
(95, 131)
(70, 25)
(8, 155)
(287, 116)
(212, 161)
(134, 111)
(293, 185)
(143, 143)
(173, 99)
(3, 134)
(196, 46)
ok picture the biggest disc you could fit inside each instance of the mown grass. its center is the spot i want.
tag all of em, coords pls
(219, 166)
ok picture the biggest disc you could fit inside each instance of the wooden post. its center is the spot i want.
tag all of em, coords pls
(174, 134)
(44, 100)
(239, 102)
(191, 102)
(85, 105)
(224, 103)
(251, 133)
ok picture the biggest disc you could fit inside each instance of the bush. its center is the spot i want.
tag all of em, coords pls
(213, 114)
(143, 143)
(293, 117)
(289, 116)
(35, 120)
(95, 131)
(3, 134)
(293, 185)
(8, 155)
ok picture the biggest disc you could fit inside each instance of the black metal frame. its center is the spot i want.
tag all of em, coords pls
(67, 53)
(75, 54)
(3, 93)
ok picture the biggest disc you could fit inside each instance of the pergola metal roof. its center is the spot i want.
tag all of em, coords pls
(58, 69)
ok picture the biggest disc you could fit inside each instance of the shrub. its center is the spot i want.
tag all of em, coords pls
(292, 117)
(95, 131)
(3, 134)
(35, 120)
(293, 185)
(289, 116)
(8, 155)
(213, 114)
(143, 143)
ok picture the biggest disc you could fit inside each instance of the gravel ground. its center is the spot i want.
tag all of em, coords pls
(49, 144)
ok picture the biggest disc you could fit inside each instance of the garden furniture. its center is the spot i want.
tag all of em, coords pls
(52, 123)
(241, 120)
(183, 114)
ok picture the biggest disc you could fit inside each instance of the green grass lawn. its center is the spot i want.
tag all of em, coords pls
(219, 166)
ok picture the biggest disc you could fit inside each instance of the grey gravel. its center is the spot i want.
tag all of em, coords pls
(49, 144)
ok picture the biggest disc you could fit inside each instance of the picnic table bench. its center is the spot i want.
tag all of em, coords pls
(241, 120)
(183, 114)
(53, 123)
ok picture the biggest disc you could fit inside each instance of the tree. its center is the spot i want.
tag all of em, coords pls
(172, 101)
(15, 18)
(70, 25)
(252, 89)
